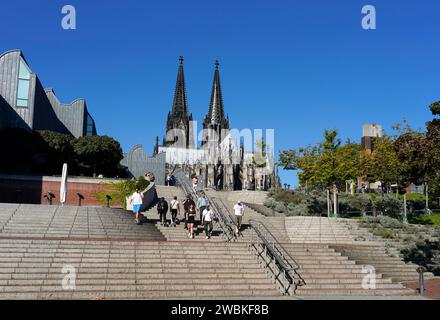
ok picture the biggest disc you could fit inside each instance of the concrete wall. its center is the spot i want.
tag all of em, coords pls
(137, 163)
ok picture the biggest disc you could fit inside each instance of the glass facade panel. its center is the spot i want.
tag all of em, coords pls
(22, 103)
(23, 72)
(24, 77)
(23, 89)
(90, 130)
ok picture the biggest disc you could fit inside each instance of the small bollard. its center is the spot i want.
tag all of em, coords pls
(80, 197)
(421, 270)
(108, 198)
(49, 197)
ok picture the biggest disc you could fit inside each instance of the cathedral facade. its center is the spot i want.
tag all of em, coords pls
(220, 161)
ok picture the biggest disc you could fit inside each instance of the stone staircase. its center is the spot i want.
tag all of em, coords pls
(326, 271)
(115, 259)
(178, 233)
(31, 269)
(66, 222)
(383, 254)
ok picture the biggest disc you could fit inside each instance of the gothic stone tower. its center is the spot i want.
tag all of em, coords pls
(218, 173)
(179, 117)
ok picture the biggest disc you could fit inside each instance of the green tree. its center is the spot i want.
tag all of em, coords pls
(383, 163)
(432, 153)
(98, 154)
(327, 163)
(58, 149)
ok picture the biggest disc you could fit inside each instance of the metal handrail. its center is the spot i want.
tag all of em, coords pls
(225, 224)
(283, 259)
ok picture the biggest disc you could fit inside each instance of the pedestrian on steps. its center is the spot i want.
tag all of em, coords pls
(201, 204)
(207, 217)
(239, 212)
(187, 203)
(191, 217)
(195, 183)
(175, 210)
(136, 201)
(162, 209)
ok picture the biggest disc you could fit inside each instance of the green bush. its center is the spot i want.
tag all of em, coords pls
(288, 196)
(301, 209)
(120, 190)
(371, 220)
(389, 222)
(142, 183)
(270, 203)
(390, 207)
(280, 207)
(424, 253)
(384, 233)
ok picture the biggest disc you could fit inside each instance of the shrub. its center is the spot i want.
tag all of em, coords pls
(120, 190)
(301, 209)
(142, 183)
(384, 233)
(280, 207)
(389, 206)
(270, 203)
(371, 220)
(389, 222)
(288, 196)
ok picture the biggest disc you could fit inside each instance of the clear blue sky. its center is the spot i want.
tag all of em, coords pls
(297, 66)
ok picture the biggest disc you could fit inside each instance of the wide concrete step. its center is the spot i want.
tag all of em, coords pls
(354, 292)
(191, 293)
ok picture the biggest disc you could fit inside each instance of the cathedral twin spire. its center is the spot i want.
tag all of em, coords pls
(216, 114)
(180, 118)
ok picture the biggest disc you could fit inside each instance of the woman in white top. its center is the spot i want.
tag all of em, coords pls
(136, 200)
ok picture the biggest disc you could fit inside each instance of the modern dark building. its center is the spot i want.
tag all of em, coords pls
(24, 103)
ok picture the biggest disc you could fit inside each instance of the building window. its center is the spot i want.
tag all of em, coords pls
(90, 126)
(24, 77)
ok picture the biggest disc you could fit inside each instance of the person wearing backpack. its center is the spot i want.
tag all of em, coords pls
(175, 210)
(162, 209)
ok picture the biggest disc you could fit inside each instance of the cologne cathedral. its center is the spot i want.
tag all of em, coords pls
(220, 162)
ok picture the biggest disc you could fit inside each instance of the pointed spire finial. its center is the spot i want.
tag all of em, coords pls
(217, 63)
(181, 59)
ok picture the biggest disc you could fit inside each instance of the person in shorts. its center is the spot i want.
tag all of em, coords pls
(136, 201)
(187, 203)
(239, 212)
(191, 219)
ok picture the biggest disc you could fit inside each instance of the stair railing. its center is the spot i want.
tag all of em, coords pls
(274, 257)
(225, 222)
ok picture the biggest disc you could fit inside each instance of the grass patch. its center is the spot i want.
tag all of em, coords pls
(432, 220)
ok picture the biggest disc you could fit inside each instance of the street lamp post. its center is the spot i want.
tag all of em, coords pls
(405, 215)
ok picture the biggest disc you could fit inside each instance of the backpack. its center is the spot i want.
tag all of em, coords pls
(162, 206)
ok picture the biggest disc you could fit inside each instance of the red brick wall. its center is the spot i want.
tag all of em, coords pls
(32, 191)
